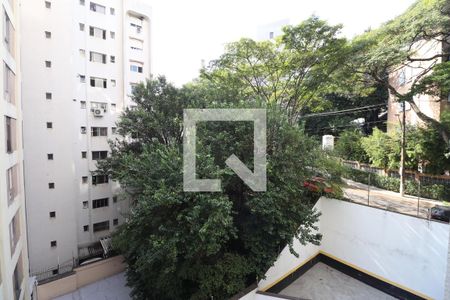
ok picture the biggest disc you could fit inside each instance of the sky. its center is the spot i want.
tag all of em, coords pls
(187, 32)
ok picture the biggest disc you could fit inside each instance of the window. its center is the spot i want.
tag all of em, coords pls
(114, 199)
(97, 32)
(100, 203)
(83, 104)
(116, 222)
(8, 33)
(48, 4)
(99, 105)
(86, 228)
(49, 125)
(99, 82)
(83, 129)
(98, 8)
(112, 34)
(48, 64)
(113, 82)
(136, 27)
(271, 35)
(50, 156)
(84, 179)
(136, 67)
(14, 233)
(51, 185)
(9, 84)
(48, 35)
(97, 155)
(113, 130)
(101, 226)
(48, 96)
(82, 2)
(82, 26)
(113, 107)
(136, 44)
(12, 183)
(83, 154)
(82, 78)
(113, 59)
(112, 11)
(53, 244)
(97, 57)
(52, 214)
(99, 131)
(85, 204)
(100, 179)
(10, 134)
(82, 52)
(133, 86)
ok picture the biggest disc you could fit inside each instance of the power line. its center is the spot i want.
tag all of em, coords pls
(346, 126)
(345, 111)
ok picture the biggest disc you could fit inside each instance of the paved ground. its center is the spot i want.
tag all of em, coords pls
(392, 201)
(322, 282)
(111, 288)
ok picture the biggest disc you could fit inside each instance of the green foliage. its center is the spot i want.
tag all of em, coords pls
(187, 245)
(383, 149)
(349, 146)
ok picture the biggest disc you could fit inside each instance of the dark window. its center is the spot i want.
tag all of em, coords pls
(53, 214)
(53, 244)
(99, 131)
(86, 228)
(83, 154)
(97, 155)
(84, 179)
(99, 179)
(114, 199)
(48, 4)
(51, 185)
(103, 202)
(48, 96)
(50, 156)
(10, 125)
(101, 226)
(49, 125)
(48, 64)
(116, 222)
(85, 204)
(83, 129)
(48, 35)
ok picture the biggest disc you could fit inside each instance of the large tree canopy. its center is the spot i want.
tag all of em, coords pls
(193, 245)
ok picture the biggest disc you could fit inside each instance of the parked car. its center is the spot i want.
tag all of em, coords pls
(441, 213)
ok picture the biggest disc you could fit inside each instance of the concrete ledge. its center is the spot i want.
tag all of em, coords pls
(80, 277)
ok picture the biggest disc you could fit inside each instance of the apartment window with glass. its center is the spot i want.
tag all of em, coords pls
(48, 4)
(12, 183)
(14, 232)
(82, 2)
(97, 57)
(112, 34)
(97, 32)
(112, 11)
(136, 27)
(99, 82)
(10, 127)
(100, 179)
(136, 67)
(99, 105)
(86, 228)
(8, 33)
(85, 204)
(9, 84)
(99, 131)
(136, 44)
(98, 8)
(97, 203)
(101, 226)
(48, 35)
(98, 155)
(113, 59)
(116, 222)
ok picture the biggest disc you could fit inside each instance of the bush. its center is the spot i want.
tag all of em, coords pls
(432, 191)
(349, 146)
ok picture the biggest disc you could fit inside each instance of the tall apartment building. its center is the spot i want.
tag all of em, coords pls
(402, 78)
(80, 61)
(13, 241)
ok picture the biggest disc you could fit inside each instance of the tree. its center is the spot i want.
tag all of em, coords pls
(397, 44)
(291, 72)
(349, 146)
(383, 149)
(185, 245)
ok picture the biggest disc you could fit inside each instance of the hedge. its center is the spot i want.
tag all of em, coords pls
(431, 191)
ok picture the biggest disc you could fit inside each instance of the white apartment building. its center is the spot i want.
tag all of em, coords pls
(13, 240)
(80, 61)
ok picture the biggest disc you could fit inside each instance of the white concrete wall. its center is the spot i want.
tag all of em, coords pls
(406, 251)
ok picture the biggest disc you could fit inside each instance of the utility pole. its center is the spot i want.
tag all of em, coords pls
(403, 151)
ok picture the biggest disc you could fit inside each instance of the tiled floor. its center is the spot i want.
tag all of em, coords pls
(323, 282)
(111, 288)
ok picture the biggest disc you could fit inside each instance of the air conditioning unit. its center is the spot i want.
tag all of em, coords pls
(98, 112)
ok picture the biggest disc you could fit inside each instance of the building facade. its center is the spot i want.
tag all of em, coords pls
(13, 240)
(80, 61)
(403, 77)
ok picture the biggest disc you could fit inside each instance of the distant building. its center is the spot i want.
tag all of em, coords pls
(402, 79)
(271, 30)
(81, 61)
(14, 279)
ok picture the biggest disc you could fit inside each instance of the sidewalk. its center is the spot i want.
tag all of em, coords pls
(358, 192)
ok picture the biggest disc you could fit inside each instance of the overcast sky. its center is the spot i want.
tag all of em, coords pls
(187, 31)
